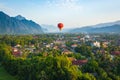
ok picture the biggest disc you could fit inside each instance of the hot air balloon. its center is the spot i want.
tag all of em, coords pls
(60, 26)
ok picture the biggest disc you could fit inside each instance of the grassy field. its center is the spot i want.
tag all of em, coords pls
(4, 75)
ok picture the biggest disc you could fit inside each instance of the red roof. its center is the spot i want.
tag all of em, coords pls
(115, 53)
(79, 62)
(16, 52)
(35, 37)
(78, 36)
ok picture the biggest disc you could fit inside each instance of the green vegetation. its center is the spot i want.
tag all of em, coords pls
(5, 75)
(43, 57)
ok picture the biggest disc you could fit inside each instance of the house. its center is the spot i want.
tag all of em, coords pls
(71, 58)
(51, 44)
(35, 37)
(14, 49)
(115, 53)
(32, 46)
(66, 51)
(31, 50)
(105, 44)
(79, 62)
(59, 42)
(47, 46)
(87, 36)
(18, 46)
(56, 47)
(63, 46)
(16, 52)
(78, 37)
(74, 45)
(82, 39)
(96, 44)
(75, 40)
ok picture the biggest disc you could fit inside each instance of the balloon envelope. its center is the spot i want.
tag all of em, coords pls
(60, 26)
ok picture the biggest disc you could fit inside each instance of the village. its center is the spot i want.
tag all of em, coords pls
(87, 56)
(67, 45)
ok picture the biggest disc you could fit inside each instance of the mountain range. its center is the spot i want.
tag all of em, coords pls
(110, 27)
(18, 25)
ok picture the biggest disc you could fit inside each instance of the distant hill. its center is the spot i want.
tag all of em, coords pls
(106, 24)
(112, 27)
(18, 25)
(107, 29)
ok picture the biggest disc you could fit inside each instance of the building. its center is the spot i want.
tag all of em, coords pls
(66, 51)
(79, 62)
(105, 44)
(16, 52)
(74, 45)
(59, 42)
(115, 53)
(18, 46)
(96, 44)
(71, 58)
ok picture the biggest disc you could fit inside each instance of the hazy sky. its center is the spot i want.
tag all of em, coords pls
(73, 13)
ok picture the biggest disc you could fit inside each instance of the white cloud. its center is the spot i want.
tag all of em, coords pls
(64, 4)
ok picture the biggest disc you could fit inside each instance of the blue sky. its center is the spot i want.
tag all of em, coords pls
(73, 13)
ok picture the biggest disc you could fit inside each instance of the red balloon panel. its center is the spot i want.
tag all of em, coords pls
(60, 26)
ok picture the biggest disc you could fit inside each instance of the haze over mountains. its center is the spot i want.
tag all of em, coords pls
(49, 28)
(18, 25)
(110, 27)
